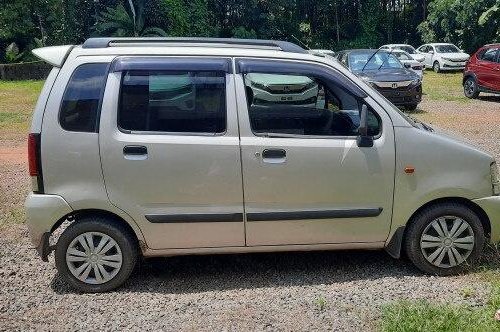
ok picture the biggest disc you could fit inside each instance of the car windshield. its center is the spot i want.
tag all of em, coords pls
(402, 56)
(407, 49)
(367, 60)
(448, 48)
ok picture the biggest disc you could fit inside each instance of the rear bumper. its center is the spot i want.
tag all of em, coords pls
(43, 212)
(491, 205)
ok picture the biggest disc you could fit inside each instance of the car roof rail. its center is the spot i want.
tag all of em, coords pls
(103, 42)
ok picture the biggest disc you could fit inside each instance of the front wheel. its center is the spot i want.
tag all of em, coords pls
(95, 254)
(444, 239)
(471, 89)
(436, 67)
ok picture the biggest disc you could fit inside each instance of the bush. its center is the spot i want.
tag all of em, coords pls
(37, 70)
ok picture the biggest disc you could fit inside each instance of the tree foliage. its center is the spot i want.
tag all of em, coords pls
(334, 24)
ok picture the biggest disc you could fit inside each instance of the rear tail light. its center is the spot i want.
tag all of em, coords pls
(34, 162)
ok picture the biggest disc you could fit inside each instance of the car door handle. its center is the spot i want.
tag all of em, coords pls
(274, 156)
(135, 152)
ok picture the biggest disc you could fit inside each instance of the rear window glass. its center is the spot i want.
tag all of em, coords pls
(82, 98)
(173, 101)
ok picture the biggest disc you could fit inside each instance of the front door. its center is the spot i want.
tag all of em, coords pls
(170, 150)
(305, 179)
(487, 71)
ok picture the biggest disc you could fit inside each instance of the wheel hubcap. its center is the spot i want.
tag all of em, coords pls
(447, 241)
(469, 87)
(94, 258)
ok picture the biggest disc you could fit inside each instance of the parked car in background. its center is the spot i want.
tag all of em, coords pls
(383, 71)
(322, 51)
(443, 57)
(409, 62)
(270, 89)
(404, 47)
(482, 71)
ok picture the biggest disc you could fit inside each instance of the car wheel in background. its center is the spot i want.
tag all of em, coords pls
(436, 67)
(96, 254)
(411, 107)
(471, 89)
(444, 239)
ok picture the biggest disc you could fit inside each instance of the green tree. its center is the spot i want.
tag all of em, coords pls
(122, 23)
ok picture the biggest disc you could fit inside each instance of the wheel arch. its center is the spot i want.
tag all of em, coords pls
(77, 215)
(395, 244)
(467, 75)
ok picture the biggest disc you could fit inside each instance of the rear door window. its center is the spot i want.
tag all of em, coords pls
(173, 102)
(82, 98)
(489, 55)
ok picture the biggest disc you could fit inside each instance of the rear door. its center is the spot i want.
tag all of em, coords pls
(487, 72)
(306, 181)
(170, 150)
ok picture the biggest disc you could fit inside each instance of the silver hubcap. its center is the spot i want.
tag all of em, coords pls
(469, 87)
(447, 241)
(94, 258)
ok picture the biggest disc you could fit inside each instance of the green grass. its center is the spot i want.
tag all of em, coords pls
(443, 86)
(18, 99)
(426, 316)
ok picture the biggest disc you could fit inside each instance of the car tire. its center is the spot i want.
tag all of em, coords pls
(110, 266)
(411, 107)
(449, 254)
(436, 67)
(471, 90)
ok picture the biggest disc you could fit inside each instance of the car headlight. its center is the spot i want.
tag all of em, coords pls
(495, 178)
(447, 59)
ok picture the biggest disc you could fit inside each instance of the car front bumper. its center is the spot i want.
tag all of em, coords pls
(42, 213)
(401, 97)
(491, 206)
(451, 65)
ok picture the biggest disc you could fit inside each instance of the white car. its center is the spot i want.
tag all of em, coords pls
(269, 89)
(404, 47)
(443, 56)
(409, 62)
(322, 52)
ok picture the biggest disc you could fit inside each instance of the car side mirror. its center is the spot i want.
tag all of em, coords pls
(407, 65)
(363, 140)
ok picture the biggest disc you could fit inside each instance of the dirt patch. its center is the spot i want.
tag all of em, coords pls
(16, 155)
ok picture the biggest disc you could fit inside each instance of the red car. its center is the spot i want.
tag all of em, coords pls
(482, 71)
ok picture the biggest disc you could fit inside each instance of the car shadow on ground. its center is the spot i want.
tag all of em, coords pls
(490, 98)
(196, 274)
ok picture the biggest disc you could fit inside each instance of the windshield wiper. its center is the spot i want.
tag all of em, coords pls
(387, 58)
(371, 57)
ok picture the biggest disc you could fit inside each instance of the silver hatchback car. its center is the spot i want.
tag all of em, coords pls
(156, 147)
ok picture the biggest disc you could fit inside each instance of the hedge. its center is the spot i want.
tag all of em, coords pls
(37, 70)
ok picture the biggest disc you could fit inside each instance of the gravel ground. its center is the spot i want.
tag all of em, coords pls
(286, 291)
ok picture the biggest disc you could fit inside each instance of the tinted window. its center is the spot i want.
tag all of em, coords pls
(82, 98)
(302, 105)
(407, 49)
(489, 55)
(448, 48)
(165, 101)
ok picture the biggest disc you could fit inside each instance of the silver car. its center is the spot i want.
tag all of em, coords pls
(168, 154)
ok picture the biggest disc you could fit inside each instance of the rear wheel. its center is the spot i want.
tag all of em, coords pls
(95, 254)
(436, 67)
(444, 239)
(471, 90)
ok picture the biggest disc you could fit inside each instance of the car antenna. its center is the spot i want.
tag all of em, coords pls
(300, 41)
(367, 62)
